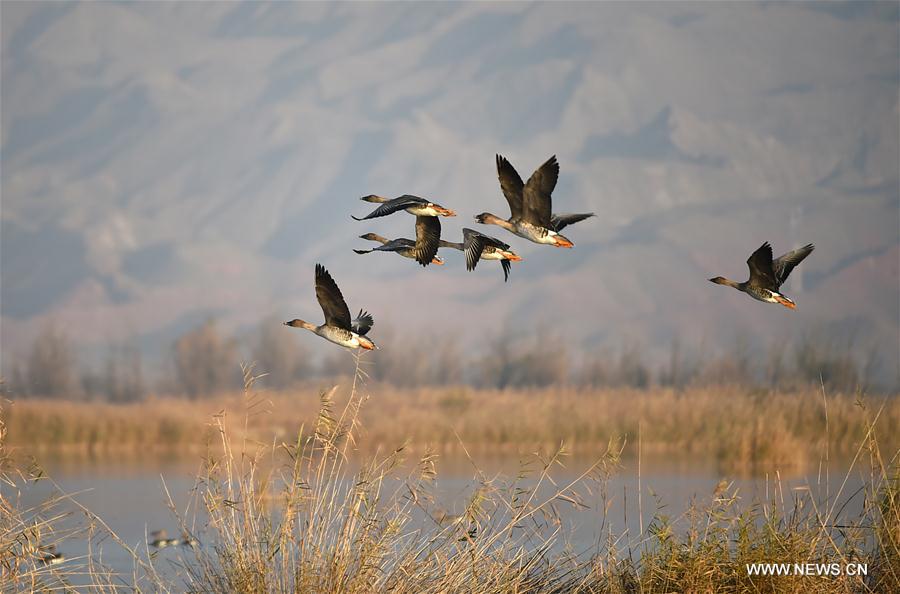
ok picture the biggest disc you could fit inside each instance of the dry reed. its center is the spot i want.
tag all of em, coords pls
(299, 515)
(740, 430)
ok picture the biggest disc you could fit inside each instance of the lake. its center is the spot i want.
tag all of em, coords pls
(131, 499)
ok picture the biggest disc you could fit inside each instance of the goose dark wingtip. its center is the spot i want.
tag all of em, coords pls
(506, 267)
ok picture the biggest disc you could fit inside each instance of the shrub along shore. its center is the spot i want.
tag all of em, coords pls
(298, 515)
(736, 428)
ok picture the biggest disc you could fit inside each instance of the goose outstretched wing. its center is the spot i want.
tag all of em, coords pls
(392, 206)
(512, 186)
(330, 300)
(474, 243)
(363, 323)
(506, 266)
(536, 196)
(760, 264)
(428, 236)
(394, 245)
(558, 222)
(783, 265)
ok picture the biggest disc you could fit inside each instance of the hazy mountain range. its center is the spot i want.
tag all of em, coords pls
(165, 162)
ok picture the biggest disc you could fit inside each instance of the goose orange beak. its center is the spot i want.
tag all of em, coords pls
(563, 242)
(444, 211)
(785, 302)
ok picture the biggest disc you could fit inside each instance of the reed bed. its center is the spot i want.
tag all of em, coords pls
(738, 429)
(300, 515)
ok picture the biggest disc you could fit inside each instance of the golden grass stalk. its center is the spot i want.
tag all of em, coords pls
(740, 430)
(307, 515)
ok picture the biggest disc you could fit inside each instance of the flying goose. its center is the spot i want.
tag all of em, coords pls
(530, 205)
(411, 204)
(767, 275)
(401, 246)
(338, 327)
(478, 246)
(428, 226)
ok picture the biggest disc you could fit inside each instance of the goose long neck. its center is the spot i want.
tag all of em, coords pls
(503, 223)
(721, 280)
(490, 219)
(450, 244)
(301, 324)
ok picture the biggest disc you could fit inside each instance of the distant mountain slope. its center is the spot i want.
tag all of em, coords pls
(163, 161)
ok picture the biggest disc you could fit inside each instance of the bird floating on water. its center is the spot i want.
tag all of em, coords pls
(338, 327)
(530, 205)
(478, 246)
(767, 275)
(48, 555)
(161, 539)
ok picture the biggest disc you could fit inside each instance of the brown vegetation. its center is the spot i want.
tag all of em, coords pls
(739, 429)
(315, 523)
(204, 362)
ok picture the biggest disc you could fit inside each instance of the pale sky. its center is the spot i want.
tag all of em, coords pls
(164, 162)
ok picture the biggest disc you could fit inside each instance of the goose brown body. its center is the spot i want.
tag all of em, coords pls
(338, 327)
(478, 246)
(414, 205)
(428, 226)
(400, 246)
(530, 205)
(768, 274)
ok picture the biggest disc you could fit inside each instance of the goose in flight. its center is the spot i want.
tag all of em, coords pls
(402, 246)
(478, 246)
(428, 226)
(338, 327)
(530, 205)
(767, 275)
(411, 204)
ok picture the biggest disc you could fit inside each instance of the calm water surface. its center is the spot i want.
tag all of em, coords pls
(132, 500)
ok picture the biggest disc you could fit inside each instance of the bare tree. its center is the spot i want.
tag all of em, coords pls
(447, 364)
(205, 362)
(123, 376)
(595, 369)
(817, 359)
(17, 384)
(497, 365)
(52, 365)
(631, 370)
(279, 355)
(511, 361)
(677, 374)
(545, 363)
(775, 365)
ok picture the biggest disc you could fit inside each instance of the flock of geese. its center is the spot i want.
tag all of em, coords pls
(532, 218)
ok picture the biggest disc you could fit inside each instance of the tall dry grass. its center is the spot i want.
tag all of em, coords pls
(299, 515)
(32, 537)
(739, 429)
(319, 523)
